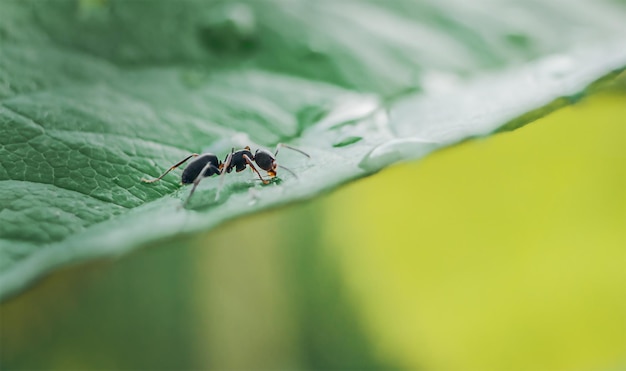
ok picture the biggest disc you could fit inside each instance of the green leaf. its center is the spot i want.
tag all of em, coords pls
(96, 94)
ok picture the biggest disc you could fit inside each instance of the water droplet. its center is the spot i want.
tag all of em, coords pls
(397, 150)
(350, 110)
(347, 141)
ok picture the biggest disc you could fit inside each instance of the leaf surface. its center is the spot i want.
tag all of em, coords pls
(95, 95)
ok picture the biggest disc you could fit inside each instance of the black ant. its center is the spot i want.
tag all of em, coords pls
(208, 164)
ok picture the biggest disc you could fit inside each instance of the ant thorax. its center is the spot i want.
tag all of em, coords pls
(239, 160)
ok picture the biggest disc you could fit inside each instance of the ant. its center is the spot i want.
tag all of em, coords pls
(208, 164)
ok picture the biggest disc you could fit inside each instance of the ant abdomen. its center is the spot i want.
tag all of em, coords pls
(194, 168)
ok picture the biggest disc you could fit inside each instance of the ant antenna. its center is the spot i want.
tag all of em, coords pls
(291, 172)
(291, 148)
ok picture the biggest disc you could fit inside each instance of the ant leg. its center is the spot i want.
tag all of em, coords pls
(279, 145)
(170, 169)
(224, 166)
(197, 181)
(249, 161)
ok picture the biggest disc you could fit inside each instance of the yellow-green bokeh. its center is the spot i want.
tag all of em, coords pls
(503, 253)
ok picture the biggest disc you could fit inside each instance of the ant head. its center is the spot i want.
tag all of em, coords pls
(266, 161)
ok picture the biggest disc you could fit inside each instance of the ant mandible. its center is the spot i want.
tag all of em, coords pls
(208, 164)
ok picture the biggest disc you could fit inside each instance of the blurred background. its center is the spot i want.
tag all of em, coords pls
(500, 253)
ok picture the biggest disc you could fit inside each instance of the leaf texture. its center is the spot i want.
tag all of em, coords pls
(95, 95)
